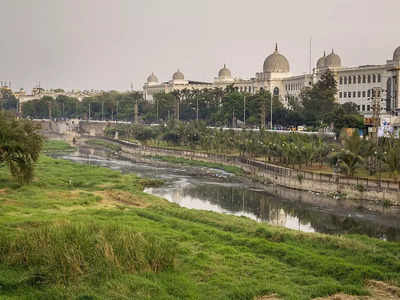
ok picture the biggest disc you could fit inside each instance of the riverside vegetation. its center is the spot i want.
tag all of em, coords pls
(86, 232)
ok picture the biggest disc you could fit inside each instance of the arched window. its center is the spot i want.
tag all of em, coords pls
(276, 91)
(359, 79)
(363, 78)
(345, 80)
(354, 79)
(379, 77)
(349, 79)
(369, 78)
(373, 78)
(369, 93)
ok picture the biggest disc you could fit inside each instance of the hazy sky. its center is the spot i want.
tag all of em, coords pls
(107, 44)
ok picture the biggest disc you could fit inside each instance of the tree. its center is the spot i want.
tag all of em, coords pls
(319, 101)
(20, 146)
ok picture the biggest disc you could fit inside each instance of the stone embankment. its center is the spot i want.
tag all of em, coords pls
(337, 186)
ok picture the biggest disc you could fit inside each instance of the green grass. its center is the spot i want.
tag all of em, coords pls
(55, 146)
(199, 163)
(84, 232)
(105, 144)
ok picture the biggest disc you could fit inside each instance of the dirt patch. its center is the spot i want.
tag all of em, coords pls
(379, 291)
(113, 197)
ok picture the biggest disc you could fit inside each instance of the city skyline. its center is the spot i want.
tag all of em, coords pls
(79, 45)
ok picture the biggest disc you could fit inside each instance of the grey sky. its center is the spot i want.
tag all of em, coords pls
(107, 44)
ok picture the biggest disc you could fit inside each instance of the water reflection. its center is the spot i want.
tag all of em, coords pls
(278, 206)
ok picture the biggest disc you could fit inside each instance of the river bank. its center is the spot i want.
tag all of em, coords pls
(212, 256)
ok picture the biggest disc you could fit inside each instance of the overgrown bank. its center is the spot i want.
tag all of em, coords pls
(210, 255)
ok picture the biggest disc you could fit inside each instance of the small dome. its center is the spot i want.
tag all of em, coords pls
(276, 63)
(396, 54)
(333, 60)
(224, 73)
(178, 75)
(152, 78)
(321, 62)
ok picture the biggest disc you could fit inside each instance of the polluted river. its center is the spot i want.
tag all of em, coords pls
(218, 191)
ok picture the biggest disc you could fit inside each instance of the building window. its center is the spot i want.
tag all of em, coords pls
(340, 94)
(358, 107)
(354, 79)
(359, 79)
(349, 79)
(359, 94)
(276, 91)
(363, 93)
(369, 78)
(374, 78)
(345, 80)
(349, 94)
(369, 93)
(354, 94)
(363, 79)
(363, 108)
(341, 80)
(368, 107)
(344, 95)
(379, 77)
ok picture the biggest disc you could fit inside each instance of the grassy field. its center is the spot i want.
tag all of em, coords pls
(104, 144)
(55, 146)
(84, 232)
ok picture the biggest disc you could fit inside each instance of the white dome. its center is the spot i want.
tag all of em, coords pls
(224, 73)
(152, 78)
(333, 60)
(276, 63)
(178, 75)
(321, 62)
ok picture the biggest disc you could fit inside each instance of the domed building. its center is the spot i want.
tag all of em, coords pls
(354, 84)
(321, 62)
(333, 60)
(152, 79)
(178, 75)
(276, 63)
(224, 76)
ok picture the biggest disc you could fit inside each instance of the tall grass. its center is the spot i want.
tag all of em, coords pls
(62, 253)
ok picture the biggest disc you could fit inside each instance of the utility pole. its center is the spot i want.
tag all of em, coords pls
(244, 110)
(136, 111)
(271, 111)
(376, 107)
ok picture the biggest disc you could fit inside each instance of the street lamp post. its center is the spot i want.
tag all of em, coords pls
(271, 111)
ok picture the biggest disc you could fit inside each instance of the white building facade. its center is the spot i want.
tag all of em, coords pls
(354, 83)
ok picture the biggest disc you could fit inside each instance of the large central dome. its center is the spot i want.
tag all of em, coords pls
(224, 73)
(178, 75)
(276, 63)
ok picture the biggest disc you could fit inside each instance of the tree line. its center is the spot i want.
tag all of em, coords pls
(350, 155)
(315, 107)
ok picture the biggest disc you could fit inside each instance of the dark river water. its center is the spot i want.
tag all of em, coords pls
(195, 188)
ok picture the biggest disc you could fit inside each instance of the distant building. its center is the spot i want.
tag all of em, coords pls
(354, 83)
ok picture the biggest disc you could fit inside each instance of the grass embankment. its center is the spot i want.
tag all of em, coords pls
(84, 232)
(56, 146)
(199, 163)
(104, 144)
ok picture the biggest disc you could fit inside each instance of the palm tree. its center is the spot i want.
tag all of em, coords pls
(348, 158)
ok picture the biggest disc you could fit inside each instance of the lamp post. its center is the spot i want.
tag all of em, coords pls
(271, 111)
